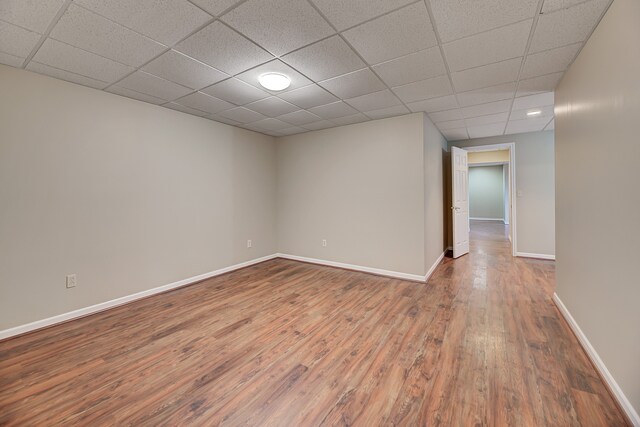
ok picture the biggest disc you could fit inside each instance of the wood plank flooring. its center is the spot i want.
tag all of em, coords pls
(290, 344)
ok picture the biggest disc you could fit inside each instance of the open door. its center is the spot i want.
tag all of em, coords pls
(460, 199)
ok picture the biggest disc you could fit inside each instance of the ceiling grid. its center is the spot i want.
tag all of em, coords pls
(476, 68)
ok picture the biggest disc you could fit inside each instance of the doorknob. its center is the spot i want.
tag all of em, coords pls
(455, 208)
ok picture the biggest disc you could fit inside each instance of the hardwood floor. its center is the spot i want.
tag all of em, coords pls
(292, 344)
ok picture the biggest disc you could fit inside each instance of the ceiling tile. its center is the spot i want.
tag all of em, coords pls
(36, 15)
(224, 49)
(183, 70)
(526, 125)
(11, 60)
(123, 91)
(460, 18)
(567, 26)
(405, 31)
(236, 91)
(488, 47)
(292, 130)
(387, 112)
(203, 102)
(323, 124)
(344, 14)
(309, 96)
(447, 115)
(546, 83)
(250, 126)
(424, 89)
(215, 7)
(65, 75)
(486, 109)
(155, 86)
(531, 101)
(487, 94)
(272, 106)
(185, 109)
(89, 31)
(167, 22)
(486, 120)
(487, 75)
(242, 115)
(333, 110)
(217, 118)
(549, 61)
(455, 134)
(17, 41)
(325, 59)
(349, 120)
(482, 131)
(299, 117)
(275, 66)
(412, 68)
(434, 104)
(271, 124)
(546, 112)
(353, 84)
(279, 26)
(451, 124)
(553, 5)
(78, 61)
(374, 101)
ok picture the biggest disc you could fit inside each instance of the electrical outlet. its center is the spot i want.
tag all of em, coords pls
(72, 281)
(249, 244)
(324, 243)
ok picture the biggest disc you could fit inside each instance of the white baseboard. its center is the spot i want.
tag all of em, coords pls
(486, 219)
(39, 324)
(539, 256)
(434, 266)
(378, 271)
(598, 363)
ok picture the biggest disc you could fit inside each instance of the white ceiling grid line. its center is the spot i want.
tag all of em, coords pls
(473, 67)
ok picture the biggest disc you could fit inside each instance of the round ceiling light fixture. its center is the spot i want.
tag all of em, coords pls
(274, 81)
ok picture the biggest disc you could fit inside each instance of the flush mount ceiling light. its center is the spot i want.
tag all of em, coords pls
(533, 113)
(274, 81)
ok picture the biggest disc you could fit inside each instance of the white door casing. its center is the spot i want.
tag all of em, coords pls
(460, 200)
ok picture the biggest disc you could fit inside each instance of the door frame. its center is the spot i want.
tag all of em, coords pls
(511, 146)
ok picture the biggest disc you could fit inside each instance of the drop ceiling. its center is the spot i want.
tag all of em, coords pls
(476, 67)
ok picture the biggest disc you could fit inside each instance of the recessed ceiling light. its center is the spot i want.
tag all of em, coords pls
(533, 113)
(274, 81)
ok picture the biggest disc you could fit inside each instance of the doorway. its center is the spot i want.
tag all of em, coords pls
(483, 189)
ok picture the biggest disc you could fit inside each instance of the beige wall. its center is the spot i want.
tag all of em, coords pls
(127, 195)
(486, 188)
(435, 148)
(360, 187)
(535, 192)
(495, 156)
(598, 195)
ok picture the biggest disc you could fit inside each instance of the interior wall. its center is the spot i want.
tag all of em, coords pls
(506, 191)
(598, 200)
(495, 156)
(127, 195)
(435, 145)
(486, 192)
(360, 188)
(535, 188)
